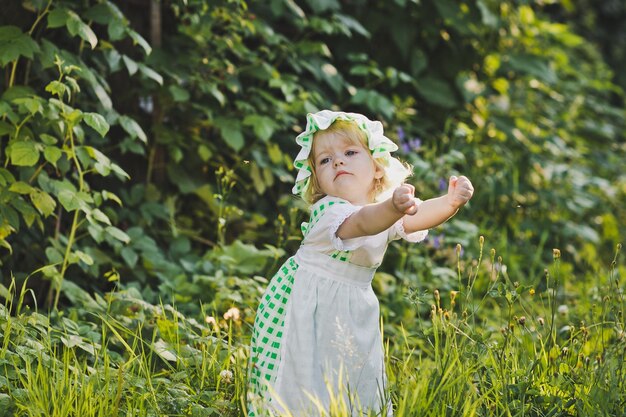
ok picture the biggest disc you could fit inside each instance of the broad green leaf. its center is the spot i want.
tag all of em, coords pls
(99, 13)
(139, 40)
(29, 214)
(21, 187)
(52, 154)
(14, 43)
(77, 27)
(179, 94)
(217, 94)
(231, 132)
(10, 215)
(130, 256)
(32, 104)
(87, 34)
(96, 232)
(23, 153)
(57, 88)
(97, 122)
(117, 234)
(376, 102)
(99, 215)
(103, 169)
(204, 152)
(150, 73)
(116, 30)
(17, 91)
(133, 128)
(69, 200)
(6, 177)
(131, 65)
(263, 126)
(5, 128)
(57, 18)
(74, 117)
(107, 195)
(85, 258)
(353, 24)
(120, 172)
(437, 91)
(43, 202)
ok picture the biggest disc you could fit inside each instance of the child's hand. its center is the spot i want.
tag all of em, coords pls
(460, 190)
(403, 199)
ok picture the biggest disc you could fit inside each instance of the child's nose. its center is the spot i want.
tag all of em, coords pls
(338, 161)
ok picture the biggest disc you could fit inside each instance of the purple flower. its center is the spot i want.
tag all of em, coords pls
(416, 143)
(405, 147)
(400, 134)
(437, 241)
(443, 184)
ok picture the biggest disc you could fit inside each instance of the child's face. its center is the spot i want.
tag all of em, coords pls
(345, 169)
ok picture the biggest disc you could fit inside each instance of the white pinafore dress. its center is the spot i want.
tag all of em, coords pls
(317, 329)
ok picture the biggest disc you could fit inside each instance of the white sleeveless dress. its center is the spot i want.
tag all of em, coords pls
(316, 333)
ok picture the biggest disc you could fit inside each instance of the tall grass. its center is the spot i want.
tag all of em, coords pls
(490, 347)
(126, 358)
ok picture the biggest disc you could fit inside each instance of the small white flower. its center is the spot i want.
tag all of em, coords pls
(226, 376)
(563, 310)
(232, 314)
(210, 320)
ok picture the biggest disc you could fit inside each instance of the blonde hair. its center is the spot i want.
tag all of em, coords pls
(351, 132)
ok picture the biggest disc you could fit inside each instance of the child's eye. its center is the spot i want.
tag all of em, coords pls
(351, 153)
(324, 161)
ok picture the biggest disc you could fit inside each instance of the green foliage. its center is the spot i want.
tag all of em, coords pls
(116, 356)
(489, 347)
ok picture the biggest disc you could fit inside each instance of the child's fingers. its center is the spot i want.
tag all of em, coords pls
(412, 209)
(452, 182)
(407, 205)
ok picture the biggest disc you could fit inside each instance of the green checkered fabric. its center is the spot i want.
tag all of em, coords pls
(341, 255)
(269, 322)
(268, 332)
(316, 215)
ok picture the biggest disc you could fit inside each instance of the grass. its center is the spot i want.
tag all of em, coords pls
(491, 347)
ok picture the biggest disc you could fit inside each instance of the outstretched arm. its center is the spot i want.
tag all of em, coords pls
(374, 218)
(437, 210)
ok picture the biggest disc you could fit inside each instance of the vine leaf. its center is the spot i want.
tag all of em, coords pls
(14, 43)
(97, 122)
(24, 153)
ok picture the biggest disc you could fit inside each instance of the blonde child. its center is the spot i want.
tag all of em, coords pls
(316, 330)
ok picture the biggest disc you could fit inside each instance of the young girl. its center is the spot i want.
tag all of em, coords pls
(316, 333)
